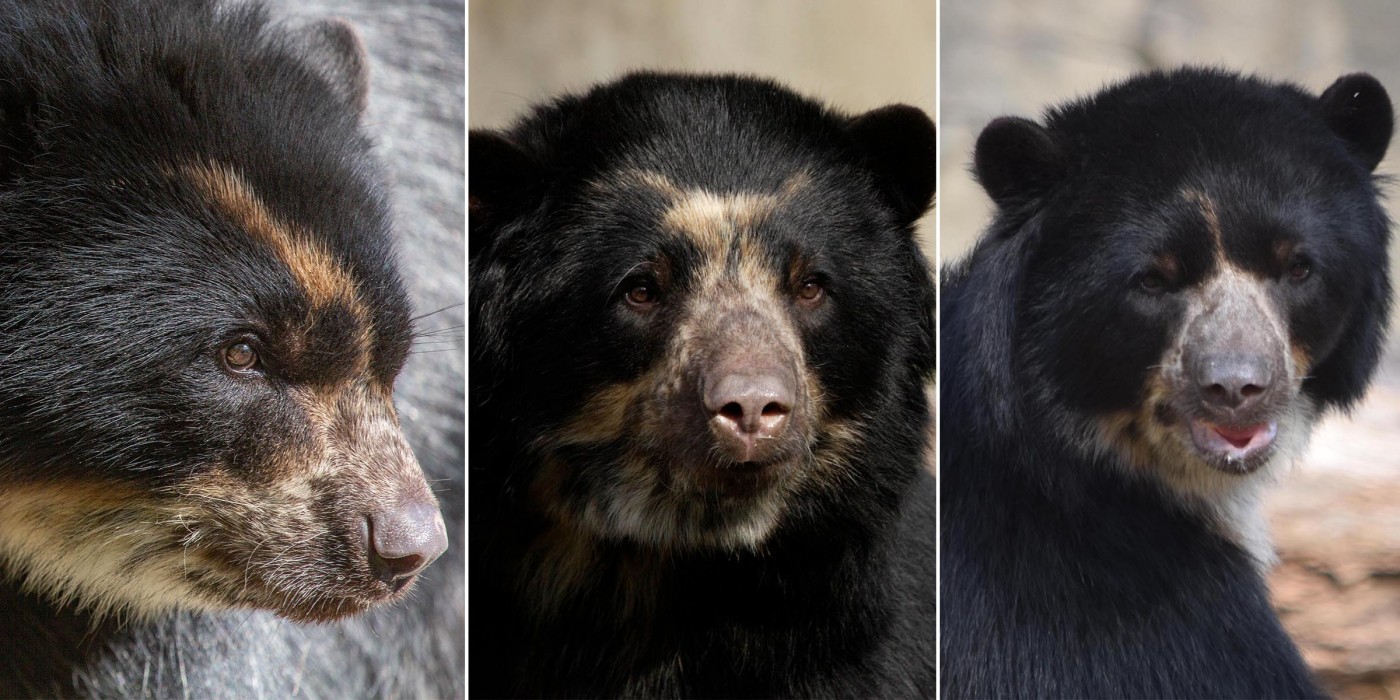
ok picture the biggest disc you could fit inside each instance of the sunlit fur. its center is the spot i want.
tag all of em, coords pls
(177, 179)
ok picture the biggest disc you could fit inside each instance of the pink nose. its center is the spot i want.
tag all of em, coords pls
(405, 539)
(749, 410)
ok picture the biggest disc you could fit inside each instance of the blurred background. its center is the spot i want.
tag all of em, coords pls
(847, 54)
(1336, 518)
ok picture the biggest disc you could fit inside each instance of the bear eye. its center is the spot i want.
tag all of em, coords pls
(643, 296)
(1300, 269)
(239, 357)
(1152, 282)
(811, 291)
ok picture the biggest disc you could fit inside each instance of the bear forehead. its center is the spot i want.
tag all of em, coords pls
(801, 209)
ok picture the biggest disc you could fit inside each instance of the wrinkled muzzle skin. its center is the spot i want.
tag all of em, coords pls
(1237, 383)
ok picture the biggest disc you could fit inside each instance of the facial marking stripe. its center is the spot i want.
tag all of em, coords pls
(1232, 283)
(711, 220)
(1212, 217)
(71, 541)
(316, 271)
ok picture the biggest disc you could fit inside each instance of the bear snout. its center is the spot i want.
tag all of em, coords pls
(1230, 384)
(750, 406)
(403, 540)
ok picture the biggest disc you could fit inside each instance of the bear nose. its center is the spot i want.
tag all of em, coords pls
(405, 539)
(749, 410)
(1233, 382)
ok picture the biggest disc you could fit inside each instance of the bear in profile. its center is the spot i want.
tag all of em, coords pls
(700, 331)
(1184, 272)
(202, 325)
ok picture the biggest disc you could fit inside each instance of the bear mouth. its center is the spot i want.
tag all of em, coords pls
(744, 479)
(1235, 449)
(328, 607)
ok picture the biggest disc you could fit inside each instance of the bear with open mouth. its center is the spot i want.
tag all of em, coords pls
(1184, 272)
(701, 328)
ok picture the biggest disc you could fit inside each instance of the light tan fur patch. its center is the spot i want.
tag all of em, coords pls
(220, 539)
(75, 542)
(645, 499)
(318, 273)
(1212, 217)
(1163, 453)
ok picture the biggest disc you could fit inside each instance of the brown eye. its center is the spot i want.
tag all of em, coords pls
(811, 291)
(642, 296)
(240, 357)
(1300, 269)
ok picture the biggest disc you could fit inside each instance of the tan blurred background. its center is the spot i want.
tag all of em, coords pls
(852, 55)
(1337, 517)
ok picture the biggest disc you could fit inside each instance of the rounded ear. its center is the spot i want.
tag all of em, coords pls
(1017, 160)
(339, 53)
(901, 143)
(501, 180)
(1358, 110)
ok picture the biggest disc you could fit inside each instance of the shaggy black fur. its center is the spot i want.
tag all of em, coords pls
(119, 279)
(837, 600)
(1067, 571)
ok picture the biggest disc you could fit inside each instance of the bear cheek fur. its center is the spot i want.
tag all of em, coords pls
(300, 492)
(656, 482)
(1082, 342)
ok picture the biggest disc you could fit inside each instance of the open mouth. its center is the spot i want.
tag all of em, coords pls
(1236, 448)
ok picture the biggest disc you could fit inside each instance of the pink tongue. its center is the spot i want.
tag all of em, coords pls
(1241, 437)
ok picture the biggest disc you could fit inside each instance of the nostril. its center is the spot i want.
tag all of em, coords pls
(732, 411)
(404, 540)
(774, 409)
(390, 570)
(1234, 381)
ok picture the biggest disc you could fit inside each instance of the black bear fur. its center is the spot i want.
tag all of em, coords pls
(97, 90)
(1079, 557)
(566, 207)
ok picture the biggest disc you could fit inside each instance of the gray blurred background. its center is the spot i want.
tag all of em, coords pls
(854, 56)
(1337, 517)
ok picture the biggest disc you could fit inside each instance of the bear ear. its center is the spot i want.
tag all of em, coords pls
(1358, 109)
(501, 180)
(1017, 159)
(338, 52)
(902, 145)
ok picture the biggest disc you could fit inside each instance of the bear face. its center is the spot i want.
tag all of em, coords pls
(201, 339)
(700, 332)
(690, 281)
(1203, 266)
(1184, 270)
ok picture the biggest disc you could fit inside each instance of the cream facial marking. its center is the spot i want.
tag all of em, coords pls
(321, 277)
(1219, 453)
(1212, 219)
(661, 488)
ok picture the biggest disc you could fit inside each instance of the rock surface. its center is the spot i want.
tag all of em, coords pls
(1336, 523)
